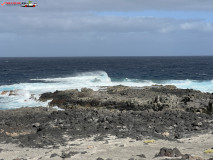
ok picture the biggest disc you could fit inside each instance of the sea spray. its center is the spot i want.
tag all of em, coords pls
(27, 93)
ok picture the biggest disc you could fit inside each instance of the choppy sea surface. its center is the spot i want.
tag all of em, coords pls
(34, 76)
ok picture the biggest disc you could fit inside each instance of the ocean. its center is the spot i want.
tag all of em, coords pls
(34, 76)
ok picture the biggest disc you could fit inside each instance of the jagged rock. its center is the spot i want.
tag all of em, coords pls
(210, 107)
(169, 152)
(54, 155)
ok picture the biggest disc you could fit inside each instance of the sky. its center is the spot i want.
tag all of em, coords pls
(107, 28)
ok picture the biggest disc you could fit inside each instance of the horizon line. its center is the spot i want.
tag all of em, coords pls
(105, 56)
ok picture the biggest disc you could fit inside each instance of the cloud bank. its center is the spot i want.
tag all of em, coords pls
(70, 22)
(127, 5)
(83, 28)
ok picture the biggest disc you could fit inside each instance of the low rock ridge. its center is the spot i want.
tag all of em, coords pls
(156, 98)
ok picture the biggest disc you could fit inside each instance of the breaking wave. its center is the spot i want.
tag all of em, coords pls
(27, 94)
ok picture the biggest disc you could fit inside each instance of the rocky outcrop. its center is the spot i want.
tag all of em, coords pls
(10, 93)
(163, 112)
(156, 98)
(168, 152)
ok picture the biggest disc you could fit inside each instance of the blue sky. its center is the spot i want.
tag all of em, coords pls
(107, 28)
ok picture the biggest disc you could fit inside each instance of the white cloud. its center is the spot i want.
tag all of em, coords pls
(121, 5)
(68, 27)
(126, 5)
(69, 22)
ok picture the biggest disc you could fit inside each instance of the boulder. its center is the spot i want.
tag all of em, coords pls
(210, 107)
(5, 92)
(168, 152)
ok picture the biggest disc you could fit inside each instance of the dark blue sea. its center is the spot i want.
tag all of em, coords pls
(33, 76)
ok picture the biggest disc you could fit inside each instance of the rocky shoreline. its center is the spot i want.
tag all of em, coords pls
(155, 98)
(157, 112)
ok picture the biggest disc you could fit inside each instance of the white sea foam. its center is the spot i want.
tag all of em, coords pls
(204, 86)
(99, 76)
(28, 93)
(57, 108)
